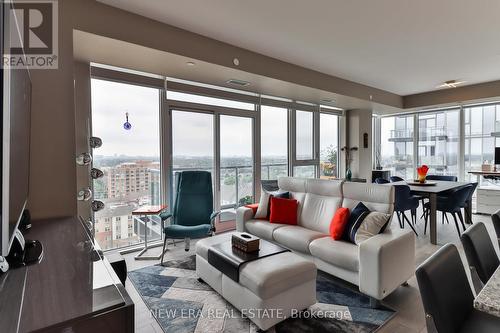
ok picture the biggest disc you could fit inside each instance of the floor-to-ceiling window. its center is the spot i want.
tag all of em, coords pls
(305, 163)
(438, 141)
(217, 135)
(201, 129)
(274, 141)
(129, 158)
(329, 145)
(396, 145)
(480, 122)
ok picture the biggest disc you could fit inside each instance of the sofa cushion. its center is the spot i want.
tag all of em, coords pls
(283, 211)
(339, 222)
(272, 275)
(338, 253)
(376, 197)
(317, 211)
(296, 238)
(262, 229)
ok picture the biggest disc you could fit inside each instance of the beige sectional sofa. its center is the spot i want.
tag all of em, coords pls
(378, 265)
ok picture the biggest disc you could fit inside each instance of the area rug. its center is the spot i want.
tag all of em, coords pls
(182, 304)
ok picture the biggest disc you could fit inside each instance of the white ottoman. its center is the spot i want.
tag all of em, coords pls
(269, 289)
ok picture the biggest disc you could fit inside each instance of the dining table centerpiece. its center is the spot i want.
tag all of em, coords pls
(422, 173)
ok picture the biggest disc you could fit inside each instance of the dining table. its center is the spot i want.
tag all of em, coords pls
(431, 190)
(488, 299)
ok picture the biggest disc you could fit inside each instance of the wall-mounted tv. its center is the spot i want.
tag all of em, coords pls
(497, 155)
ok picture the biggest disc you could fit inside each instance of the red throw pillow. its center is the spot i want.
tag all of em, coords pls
(283, 211)
(253, 207)
(339, 222)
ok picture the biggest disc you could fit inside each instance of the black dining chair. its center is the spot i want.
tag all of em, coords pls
(381, 181)
(447, 296)
(495, 218)
(404, 201)
(442, 177)
(394, 179)
(467, 209)
(452, 203)
(480, 253)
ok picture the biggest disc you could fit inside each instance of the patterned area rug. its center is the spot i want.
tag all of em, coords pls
(182, 304)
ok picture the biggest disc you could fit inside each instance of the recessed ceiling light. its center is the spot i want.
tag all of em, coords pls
(237, 82)
(190, 63)
(450, 84)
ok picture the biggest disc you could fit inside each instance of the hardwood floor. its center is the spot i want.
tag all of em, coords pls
(405, 300)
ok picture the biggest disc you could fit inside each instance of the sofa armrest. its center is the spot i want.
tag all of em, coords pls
(386, 261)
(243, 214)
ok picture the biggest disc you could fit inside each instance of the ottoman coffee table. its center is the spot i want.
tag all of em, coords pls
(266, 289)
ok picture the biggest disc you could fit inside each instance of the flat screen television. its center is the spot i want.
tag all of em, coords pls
(15, 149)
(497, 156)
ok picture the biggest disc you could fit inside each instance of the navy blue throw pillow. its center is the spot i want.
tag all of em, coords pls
(356, 217)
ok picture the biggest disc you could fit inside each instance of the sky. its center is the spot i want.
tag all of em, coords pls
(192, 132)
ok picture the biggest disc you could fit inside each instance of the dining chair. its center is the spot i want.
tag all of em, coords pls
(404, 201)
(495, 218)
(193, 215)
(381, 181)
(447, 296)
(452, 204)
(480, 253)
(466, 208)
(442, 177)
(394, 179)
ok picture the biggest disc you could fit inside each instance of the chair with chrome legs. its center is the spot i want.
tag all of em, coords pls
(193, 215)
(447, 296)
(481, 255)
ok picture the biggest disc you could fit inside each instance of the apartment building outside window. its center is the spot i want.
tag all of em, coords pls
(480, 122)
(396, 145)
(128, 158)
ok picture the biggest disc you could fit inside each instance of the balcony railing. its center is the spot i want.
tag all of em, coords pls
(497, 129)
(432, 133)
(401, 134)
(237, 182)
(424, 134)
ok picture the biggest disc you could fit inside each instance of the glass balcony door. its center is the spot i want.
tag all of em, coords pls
(218, 140)
(236, 164)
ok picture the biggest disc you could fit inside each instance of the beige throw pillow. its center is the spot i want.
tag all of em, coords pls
(372, 225)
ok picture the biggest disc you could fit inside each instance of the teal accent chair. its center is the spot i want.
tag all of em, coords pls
(193, 215)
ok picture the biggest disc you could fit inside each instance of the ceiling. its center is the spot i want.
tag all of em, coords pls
(401, 46)
(103, 50)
